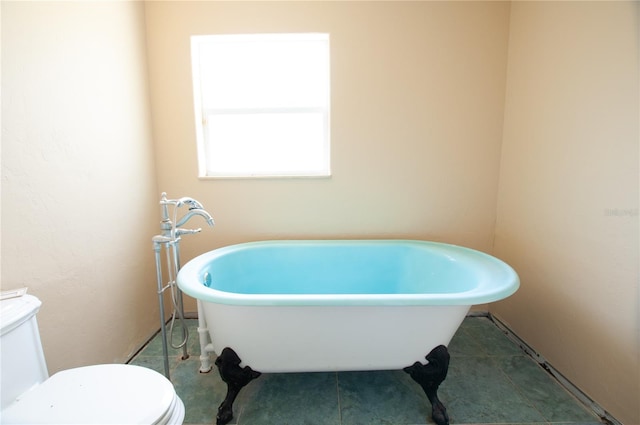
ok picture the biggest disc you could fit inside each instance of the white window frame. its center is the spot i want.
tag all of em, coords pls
(205, 113)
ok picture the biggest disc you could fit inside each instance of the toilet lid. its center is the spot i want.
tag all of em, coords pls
(101, 394)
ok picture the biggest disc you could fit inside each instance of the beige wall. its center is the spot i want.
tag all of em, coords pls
(78, 185)
(417, 105)
(568, 198)
(418, 98)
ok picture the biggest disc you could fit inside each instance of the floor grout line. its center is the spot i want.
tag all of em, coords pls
(339, 399)
(524, 395)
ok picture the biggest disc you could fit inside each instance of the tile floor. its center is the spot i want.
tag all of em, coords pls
(490, 381)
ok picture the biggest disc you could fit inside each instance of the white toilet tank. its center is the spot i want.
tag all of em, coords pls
(21, 357)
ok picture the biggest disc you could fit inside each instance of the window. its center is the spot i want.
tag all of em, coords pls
(262, 104)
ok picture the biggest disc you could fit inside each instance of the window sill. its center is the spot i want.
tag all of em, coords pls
(266, 177)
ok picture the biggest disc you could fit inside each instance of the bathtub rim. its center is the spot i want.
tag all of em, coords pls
(190, 278)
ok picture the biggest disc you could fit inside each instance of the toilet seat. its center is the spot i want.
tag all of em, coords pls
(100, 394)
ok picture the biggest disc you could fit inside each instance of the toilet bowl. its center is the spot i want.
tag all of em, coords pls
(107, 394)
(99, 394)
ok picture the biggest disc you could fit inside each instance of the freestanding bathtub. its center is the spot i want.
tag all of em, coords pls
(292, 306)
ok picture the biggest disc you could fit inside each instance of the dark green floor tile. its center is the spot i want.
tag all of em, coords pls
(551, 399)
(464, 343)
(520, 423)
(291, 399)
(476, 391)
(201, 393)
(490, 381)
(471, 322)
(381, 397)
(154, 348)
(193, 343)
(592, 422)
(493, 341)
(152, 362)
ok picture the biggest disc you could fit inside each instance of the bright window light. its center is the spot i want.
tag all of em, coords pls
(262, 104)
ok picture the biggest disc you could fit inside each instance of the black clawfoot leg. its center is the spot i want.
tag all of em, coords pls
(430, 376)
(236, 378)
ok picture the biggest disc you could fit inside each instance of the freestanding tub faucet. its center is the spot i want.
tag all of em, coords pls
(170, 239)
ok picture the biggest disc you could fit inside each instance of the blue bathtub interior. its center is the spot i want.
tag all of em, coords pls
(491, 381)
(364, 272)
(338, 269)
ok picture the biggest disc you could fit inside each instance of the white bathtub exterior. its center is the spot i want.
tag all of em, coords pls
(330, 338)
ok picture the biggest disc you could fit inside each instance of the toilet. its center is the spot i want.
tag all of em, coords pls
(100, 394)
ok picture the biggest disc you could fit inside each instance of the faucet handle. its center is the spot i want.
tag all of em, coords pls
(181, 231)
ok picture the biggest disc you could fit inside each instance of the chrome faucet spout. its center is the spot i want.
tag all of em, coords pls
(193, 212)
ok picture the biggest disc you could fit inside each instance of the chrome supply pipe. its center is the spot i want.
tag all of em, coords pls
(157, 247)
(171, 232)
